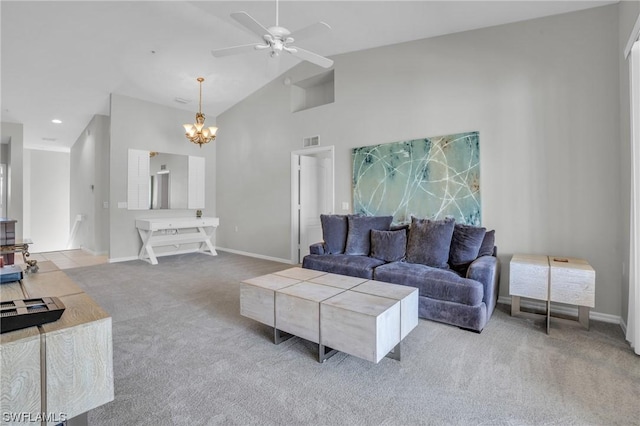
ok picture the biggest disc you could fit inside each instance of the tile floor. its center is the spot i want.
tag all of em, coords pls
(65, 259)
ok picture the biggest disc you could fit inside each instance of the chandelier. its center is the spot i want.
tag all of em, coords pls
(197, 133)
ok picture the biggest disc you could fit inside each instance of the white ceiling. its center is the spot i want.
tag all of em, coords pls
(63, 59)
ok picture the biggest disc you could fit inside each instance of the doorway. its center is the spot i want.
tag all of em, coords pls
(3, 191)
(312, 194)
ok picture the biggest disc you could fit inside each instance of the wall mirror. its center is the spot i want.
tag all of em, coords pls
(159, 180)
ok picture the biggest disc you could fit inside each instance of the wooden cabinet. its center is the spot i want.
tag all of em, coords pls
(64, 367)
(552, 279)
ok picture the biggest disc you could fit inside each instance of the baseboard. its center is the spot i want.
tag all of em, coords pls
(623, 325)
(122, 259)
(564, 310)
(93, 253)
(258, 256)
(161, 254)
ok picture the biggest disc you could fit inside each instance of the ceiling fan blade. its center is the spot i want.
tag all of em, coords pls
(314, 58)
(235, 49)
(312, 30)
(251, 24)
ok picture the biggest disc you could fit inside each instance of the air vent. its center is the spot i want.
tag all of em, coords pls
(311, 141)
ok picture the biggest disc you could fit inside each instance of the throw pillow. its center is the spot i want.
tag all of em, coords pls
(389, 246)
(430, 241)
(465, 246)
(359, 234)
(334, 232)
(489, 241)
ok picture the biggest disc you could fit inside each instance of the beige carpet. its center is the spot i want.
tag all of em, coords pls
(184, 356)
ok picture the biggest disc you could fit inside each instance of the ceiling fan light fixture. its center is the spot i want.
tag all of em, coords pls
(195, 132)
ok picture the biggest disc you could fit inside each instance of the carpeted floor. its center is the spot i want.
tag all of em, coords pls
(183, 355)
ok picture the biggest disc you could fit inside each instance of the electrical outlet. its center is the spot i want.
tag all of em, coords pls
(236, 228)
(345, 205)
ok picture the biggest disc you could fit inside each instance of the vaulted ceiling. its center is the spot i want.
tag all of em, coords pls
(62, 60)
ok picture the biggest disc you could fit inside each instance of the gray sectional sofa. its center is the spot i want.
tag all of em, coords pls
(454, 266)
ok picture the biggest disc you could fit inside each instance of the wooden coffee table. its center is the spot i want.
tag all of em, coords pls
(364, 318)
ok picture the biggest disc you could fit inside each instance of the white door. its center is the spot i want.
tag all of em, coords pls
(316, 198)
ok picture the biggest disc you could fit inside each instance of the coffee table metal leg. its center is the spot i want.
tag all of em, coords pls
(324, 353)
(395, 352)
(280, 336)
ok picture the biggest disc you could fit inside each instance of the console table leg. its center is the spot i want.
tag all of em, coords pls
(583, 316)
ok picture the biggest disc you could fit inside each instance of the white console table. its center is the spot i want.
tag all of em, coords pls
(170, 232)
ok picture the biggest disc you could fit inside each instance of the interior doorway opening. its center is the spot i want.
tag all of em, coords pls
(312, 194)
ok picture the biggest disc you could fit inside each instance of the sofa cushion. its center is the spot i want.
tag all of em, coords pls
(359, 233)
(435, 283)
(465, 246)
(430, 241)
(343, 264)
(389, 246)
(334, 232)
(488, 243)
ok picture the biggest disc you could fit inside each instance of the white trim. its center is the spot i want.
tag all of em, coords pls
(564, 310)
(635, 34)
(295, 183)
(123, 259)
(91, 252)
(258, 256)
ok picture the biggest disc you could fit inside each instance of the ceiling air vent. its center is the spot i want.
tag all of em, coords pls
(311, 141)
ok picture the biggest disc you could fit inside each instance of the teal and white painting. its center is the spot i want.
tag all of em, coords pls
(432, 178)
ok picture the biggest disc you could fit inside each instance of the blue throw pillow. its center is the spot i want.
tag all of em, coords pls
(334, 232)
(359, 234)
(488, 243)
(429, 242)
(390, 246)
(465, 246)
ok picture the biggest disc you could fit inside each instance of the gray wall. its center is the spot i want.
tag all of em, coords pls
(544, 95)
(143, 125)
(46, 199)
(90, 187)
(628, 15)
(13, 131)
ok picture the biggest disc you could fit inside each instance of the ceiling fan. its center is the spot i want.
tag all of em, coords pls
(277, 39)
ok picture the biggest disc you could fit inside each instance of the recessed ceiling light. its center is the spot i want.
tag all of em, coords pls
(49, 139)
(56, 121)
(182, 100)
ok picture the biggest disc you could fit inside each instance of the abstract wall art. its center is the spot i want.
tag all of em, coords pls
(428, 178)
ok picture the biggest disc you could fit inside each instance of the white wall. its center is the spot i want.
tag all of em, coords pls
(543, 94)
(143, 125)
(90, 187)
(48, 217)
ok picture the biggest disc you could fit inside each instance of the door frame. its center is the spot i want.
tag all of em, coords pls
(295, 187)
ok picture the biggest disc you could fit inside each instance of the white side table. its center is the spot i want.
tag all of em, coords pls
(552, 279)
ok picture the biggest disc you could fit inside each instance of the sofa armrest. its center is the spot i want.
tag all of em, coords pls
(486, 270)
(316, 248)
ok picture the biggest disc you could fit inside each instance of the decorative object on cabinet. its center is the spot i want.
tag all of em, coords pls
(197, 133)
